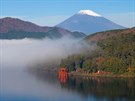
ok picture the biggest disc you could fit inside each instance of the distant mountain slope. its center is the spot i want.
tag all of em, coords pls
(107, 34)
(12, 28)
(88, 22)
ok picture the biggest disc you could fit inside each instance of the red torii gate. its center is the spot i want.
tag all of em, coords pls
(63, 75)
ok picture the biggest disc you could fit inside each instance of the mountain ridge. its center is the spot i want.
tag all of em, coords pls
(14, 28)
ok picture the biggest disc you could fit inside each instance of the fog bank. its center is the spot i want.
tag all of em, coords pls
(23, 52)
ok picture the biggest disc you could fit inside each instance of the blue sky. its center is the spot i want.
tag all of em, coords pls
(51, 12)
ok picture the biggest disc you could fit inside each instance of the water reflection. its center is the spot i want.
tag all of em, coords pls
(97, 87)
(63, 79)
(111, 88)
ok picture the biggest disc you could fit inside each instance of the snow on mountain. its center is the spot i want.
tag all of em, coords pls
(89, 12)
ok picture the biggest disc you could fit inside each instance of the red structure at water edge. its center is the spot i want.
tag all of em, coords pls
(63, 75)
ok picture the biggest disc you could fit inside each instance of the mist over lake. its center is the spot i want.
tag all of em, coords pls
(16, 55)
(20, 84)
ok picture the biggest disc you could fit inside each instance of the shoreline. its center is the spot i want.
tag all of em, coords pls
(101, 75)
(88, 74)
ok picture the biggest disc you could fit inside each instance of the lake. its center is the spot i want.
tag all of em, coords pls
(20, 84)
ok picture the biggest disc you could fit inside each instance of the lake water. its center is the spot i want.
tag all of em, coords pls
(20, 84)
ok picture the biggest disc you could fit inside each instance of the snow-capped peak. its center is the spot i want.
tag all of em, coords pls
(88, 12)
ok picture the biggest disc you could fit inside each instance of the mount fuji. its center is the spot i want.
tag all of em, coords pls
(88, 22)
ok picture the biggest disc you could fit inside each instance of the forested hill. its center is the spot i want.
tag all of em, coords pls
(115, 54)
